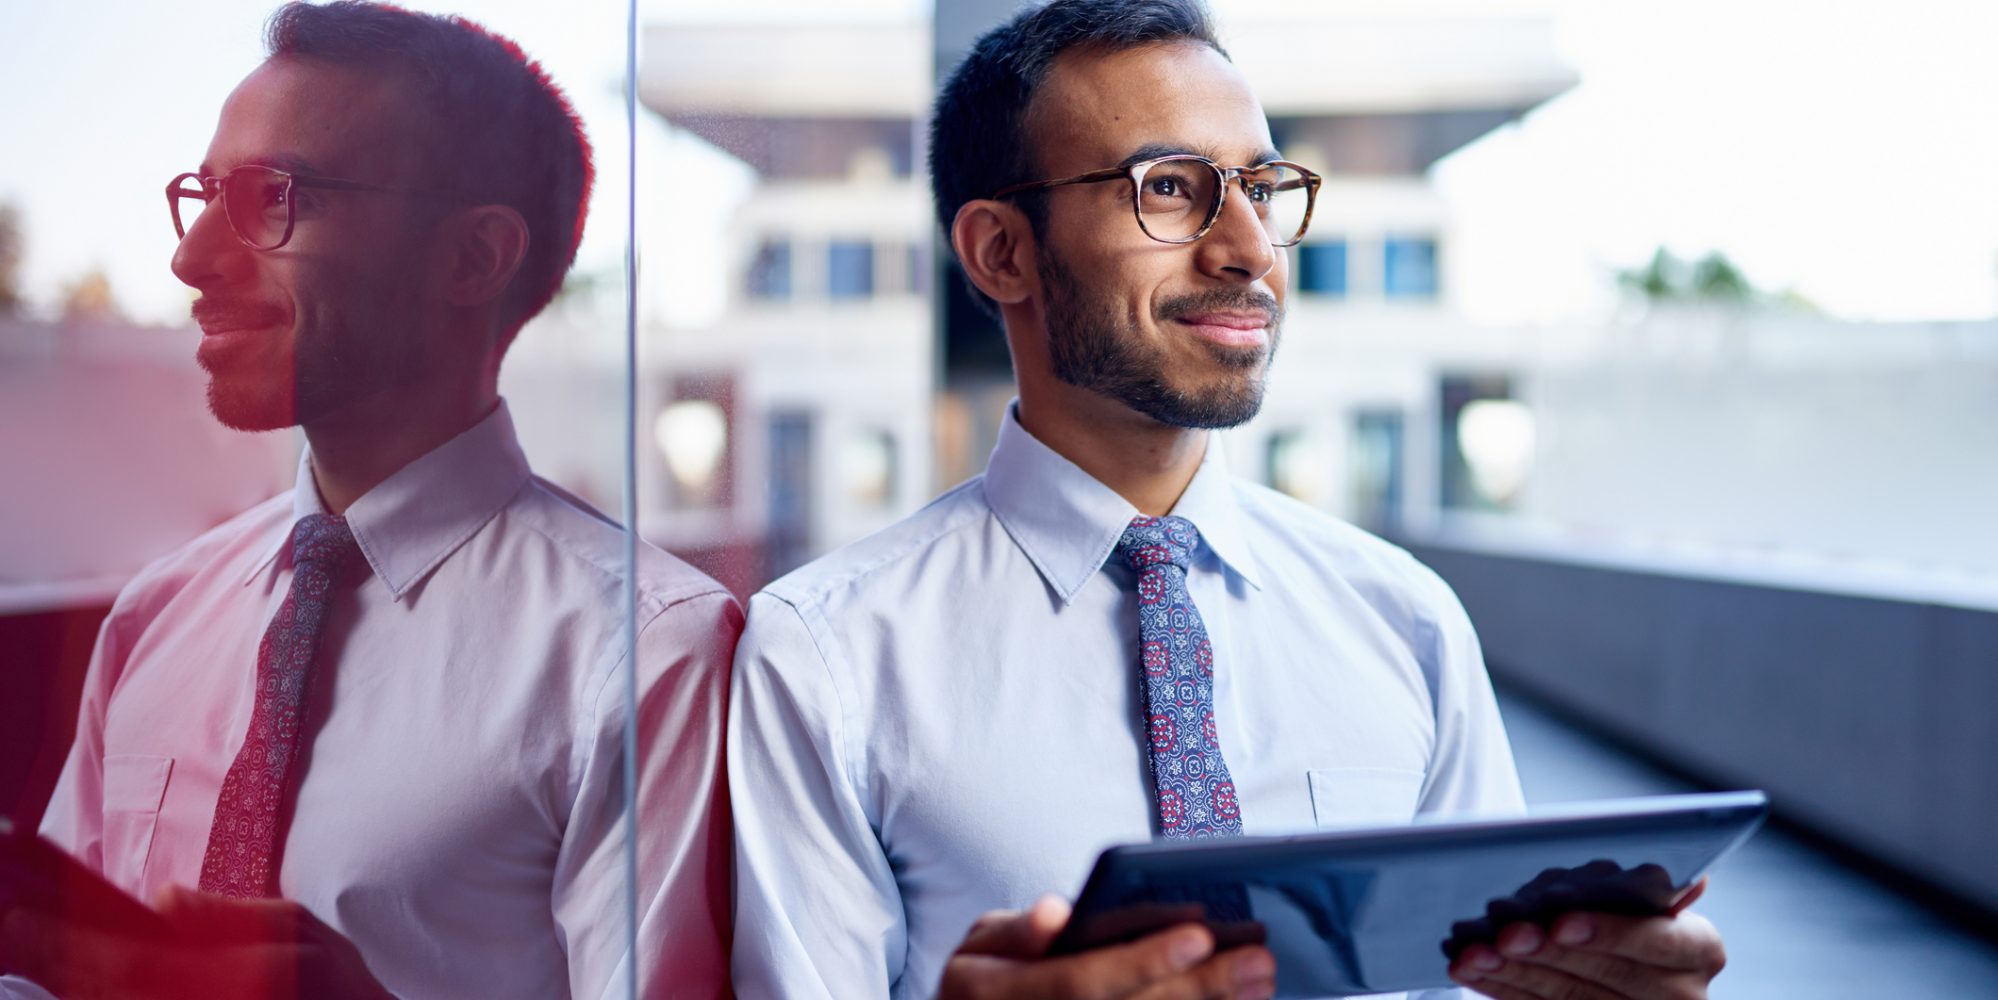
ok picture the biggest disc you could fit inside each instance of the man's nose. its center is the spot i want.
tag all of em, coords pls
(210, 254)
(1237, 248)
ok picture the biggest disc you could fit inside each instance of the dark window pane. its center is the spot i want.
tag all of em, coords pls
(789, 535)
(1374, 470)
(1321, 267)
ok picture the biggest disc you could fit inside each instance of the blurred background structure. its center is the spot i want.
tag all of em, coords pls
(1668, 334)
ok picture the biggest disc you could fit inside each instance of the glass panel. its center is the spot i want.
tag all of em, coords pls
(821, 217)
(312, 565)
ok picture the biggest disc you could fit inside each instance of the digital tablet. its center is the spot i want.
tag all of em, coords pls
(1384, 909)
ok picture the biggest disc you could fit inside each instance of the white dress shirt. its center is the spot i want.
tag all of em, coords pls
(460, 813)
(943, 719)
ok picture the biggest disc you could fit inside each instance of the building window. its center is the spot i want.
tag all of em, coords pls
(850, 269)
(1488, 443)
(1297, 463)
(919, 269)
(1373, 469)
(692, 435)
(1410, 267)
(1321, 267)
(770, 271)
(867, 468)
(789, 500)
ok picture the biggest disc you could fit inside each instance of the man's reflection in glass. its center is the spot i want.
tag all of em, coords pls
(377, 721)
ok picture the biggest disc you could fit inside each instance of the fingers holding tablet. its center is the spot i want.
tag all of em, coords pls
(1588, 955)
(1006, 955)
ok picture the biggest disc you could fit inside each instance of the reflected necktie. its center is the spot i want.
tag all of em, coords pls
(244, 843)
(1195, 795)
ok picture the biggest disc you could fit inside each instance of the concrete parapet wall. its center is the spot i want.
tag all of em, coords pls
(1871, 720)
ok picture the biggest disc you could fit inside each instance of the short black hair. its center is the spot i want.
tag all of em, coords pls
(978, 135)
(501, 132)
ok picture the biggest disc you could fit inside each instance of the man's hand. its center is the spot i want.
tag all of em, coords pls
(1599, 956)
(1003, 958)
(228, 949)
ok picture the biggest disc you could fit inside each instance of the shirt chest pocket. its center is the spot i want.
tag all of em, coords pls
(1364, 796)
(134, 787)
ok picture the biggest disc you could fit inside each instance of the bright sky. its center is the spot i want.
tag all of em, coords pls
(1848, 150)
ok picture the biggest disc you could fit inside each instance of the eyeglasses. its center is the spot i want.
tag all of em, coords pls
(259, 201)
(1178, 198)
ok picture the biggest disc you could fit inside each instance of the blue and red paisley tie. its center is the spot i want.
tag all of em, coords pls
(1195, 796)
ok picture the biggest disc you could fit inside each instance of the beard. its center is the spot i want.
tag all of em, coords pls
(307, 361)
(1094, 345)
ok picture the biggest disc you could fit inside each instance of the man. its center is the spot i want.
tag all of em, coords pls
(959, 713)
(377, 722)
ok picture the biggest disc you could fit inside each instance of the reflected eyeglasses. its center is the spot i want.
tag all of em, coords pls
(1178, 198)
(260, 202)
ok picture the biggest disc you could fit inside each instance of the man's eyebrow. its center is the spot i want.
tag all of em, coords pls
(1154, 150)
(288, 162)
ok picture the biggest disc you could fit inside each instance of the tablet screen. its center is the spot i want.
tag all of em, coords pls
(1380, 910)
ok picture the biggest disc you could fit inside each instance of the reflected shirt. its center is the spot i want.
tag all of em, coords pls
(460, 815)
(943, 719)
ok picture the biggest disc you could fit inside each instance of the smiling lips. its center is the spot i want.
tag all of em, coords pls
(1239, 329)
(216, 317)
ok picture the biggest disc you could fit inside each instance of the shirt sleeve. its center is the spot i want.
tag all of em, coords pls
(681, 817)
(818, 912)
(1471, 771)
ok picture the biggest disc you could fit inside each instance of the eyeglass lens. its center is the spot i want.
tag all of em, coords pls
(1176, 198)
(255, 199)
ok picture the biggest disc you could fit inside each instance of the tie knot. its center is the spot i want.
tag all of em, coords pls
(1150, 541)
(323, 540)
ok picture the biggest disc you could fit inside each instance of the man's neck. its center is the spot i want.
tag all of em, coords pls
(1148, 463)
(355, 450)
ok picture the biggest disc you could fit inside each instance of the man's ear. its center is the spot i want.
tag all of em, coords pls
(995, 246)
(487, 246)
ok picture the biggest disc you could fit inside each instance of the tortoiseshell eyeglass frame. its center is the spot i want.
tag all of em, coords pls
(1135, 172)
(208, 188)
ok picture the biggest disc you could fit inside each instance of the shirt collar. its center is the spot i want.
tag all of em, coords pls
(1067, 523)
(412, 520)
(1211, 503)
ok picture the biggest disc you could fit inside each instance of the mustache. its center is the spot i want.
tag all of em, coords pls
(230, 314)
(1224, 300)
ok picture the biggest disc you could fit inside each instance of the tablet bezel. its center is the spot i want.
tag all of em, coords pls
(1160, 861)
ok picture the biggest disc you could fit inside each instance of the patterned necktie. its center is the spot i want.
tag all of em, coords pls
(1196, 797)
(244, 842)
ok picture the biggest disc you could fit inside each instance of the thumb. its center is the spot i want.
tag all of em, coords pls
(1120, 970)
(1017, 933)
(1044, 922)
